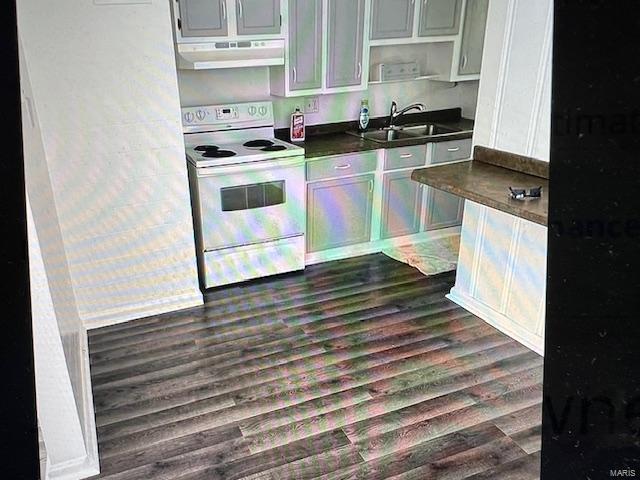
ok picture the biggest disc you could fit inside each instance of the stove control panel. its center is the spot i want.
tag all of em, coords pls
(253, 114)
(226, 113)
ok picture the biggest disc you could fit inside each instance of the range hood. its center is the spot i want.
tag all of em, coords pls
(230, 54)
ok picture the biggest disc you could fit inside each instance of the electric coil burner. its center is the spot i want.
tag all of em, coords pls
(218, 153)
(274, 148)
(258, 143)
(206, 148)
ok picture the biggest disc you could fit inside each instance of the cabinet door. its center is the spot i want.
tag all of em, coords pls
(258, 17)
(203, 18)
(439, 17)
(305, 44)
(475, 21)
(401, 204)
(339, 212)
(346, 39)
(392, 19)
(443, 209)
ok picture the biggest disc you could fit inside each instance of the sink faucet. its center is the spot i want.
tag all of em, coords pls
(394, 115)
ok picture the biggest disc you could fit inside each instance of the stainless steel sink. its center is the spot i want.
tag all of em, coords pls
(386, 135)
(413, 132)
(429, 130)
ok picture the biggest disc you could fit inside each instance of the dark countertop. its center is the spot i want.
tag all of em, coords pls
(331, 139)
(336, 144)
(484, 181)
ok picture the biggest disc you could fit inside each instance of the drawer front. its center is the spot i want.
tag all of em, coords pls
(342, 166)
(449, 151)
(404, 157)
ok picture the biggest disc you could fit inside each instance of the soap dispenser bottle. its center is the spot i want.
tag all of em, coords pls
(363, 122)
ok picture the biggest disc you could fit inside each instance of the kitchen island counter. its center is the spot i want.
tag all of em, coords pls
(486, 180)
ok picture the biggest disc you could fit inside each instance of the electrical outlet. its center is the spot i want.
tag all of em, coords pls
(311, 105)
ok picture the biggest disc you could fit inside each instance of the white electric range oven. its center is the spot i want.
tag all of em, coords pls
(247, 193)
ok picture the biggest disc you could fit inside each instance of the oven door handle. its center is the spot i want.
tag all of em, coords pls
(250, 167)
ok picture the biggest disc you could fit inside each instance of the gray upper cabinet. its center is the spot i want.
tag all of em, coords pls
(392, 19)
(475, 21)
(346, 40)
(443, 209)
(401, 204)
(439, 17)
(305, 44)
(339, 212)
(203, 18)
(258, 17)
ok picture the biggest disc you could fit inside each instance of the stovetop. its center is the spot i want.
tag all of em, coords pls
(212, 154)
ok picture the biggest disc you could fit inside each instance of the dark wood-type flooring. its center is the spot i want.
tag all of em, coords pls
(356, 369)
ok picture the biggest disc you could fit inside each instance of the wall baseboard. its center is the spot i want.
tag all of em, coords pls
(72, 470)
(89, 464)
(90, 433)
(165, 305)
(498, 320)
(377, 246)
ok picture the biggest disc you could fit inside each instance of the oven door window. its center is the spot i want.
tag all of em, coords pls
(247, 197)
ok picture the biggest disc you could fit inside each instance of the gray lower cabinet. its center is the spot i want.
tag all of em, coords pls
(258, 17)
(305, 44)
(392, 19)
(475, 21)
(439, 17)
(345, 42)
(203, 18)
(339, 212)
(401, 204)
(443, 209)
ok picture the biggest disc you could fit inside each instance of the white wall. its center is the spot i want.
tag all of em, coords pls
(514, 98)
(105, 87)
(63, 389)
(251, 84)
(501, 274)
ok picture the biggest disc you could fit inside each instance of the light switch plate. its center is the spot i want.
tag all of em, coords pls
(121, 2)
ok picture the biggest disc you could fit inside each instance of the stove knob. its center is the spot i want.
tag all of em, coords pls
(252, 111)
(200, 114)
(262, 111)
(188, 117)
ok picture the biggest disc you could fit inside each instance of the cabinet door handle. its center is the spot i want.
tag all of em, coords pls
(343, 167)
(453, 149)
(406, 155)
(464, 60)
(240, 8)
(370, 186)
(224, 10)
(295, 75)
(359, 70)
